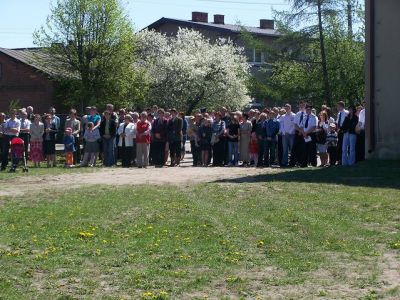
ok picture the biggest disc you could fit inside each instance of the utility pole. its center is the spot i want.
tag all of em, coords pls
(350, 19)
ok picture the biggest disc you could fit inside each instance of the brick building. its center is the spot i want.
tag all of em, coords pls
(24, 79)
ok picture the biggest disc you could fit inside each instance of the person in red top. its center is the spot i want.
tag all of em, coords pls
(143, 131)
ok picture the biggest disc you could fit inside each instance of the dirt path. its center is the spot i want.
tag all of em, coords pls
(118, 176)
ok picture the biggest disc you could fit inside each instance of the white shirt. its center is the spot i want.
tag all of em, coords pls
(9, 124)
(287, 122)
(341, 115)
(361, 118)
(312, 122)
(130, 134)
(298, 118)
(25, 124)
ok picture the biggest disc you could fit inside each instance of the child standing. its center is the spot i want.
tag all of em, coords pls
(331, 143)
(254, 149)
(69, 147)
(91, 137)
(205, 134)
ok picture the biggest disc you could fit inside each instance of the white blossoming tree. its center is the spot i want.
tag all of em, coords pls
(189, 72)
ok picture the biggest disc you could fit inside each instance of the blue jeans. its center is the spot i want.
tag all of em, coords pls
(349, 149)
(233, 152)
(287, 141)
(109, 152)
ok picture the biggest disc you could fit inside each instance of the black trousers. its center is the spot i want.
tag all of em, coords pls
(126, 156)
(219, 153)
(339, 146)
(195, 153)
(297, 155)
(360, 146)
(225, 155)
(5, 150)
(261, 151)
(26, 138)
(280, 149)
(77, 153)
(175, 148)
(158, 151)
(332, 151)
(309, 154)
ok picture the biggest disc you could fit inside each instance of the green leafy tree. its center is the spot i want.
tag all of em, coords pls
(93, 41)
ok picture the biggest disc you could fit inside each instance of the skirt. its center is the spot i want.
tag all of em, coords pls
(36, 151)
(49, 147)
(92, 147)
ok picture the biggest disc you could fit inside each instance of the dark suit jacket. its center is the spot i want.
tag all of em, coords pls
(175, 127)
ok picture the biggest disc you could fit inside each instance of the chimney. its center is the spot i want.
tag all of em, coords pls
(200, 17)
(267, 24)
(219, 19)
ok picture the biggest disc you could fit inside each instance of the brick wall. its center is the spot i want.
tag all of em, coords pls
(19, 81)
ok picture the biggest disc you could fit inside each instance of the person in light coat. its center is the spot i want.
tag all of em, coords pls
(126, 133)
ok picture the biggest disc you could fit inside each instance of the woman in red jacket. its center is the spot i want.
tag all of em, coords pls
(143, 131)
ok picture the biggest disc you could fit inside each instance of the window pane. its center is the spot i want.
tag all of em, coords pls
(249, 54)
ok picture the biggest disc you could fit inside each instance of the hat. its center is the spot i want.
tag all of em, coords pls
(332, 125)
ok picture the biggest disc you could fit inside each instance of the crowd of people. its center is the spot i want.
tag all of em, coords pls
(273, 137)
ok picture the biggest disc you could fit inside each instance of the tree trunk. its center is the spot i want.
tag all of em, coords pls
(327, 88)
(194, 103)
(350, 19)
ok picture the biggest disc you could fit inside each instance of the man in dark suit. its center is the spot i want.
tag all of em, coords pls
(175, 135)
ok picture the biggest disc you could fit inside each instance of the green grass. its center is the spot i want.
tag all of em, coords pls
(280, 233)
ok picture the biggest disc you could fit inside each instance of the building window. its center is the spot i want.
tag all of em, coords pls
(255, 56)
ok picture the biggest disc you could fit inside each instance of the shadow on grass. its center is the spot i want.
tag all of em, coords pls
(379, 174)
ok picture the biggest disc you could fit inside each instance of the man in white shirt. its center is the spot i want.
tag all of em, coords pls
(308, 126)
(360, 143)
(11, 130)
(342, 114)
(298, 143)
(287, 123)
(24, 132)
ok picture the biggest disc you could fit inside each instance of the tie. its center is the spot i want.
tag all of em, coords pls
(306, 125)
(340, 119)
(301, 117)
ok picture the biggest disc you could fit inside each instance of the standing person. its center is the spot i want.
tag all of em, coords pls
(227, 120)
(36, 144)
(69, 147)
(271, 127)
(282, 113)
(30, 114)
(331, 143)
(298, 143)
(175, 126)
(94, 118)
(205, 134)
(254, 149)
(185, 126)
(245, 135)
(24, 132)
(108, 131)
(49, 141)
(320, 136)
(287, 129)
(360, 130)
(11, 129)
(126, 132)
(55, 119)
(258, 130)
(308, 127)
(143, 132)
(91, 137)
(217, 141)
(73, 123)
(349, 137)
(159, 131)
(342, 114)
(233, 142)
(135, 120)
(2, 122)
(193, 133)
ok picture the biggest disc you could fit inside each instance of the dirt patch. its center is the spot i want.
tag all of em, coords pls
(116, 177)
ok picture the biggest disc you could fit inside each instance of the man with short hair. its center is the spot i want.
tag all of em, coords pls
(159, 133)
(73, 123)
(175, 126)
(31, 115)
(271, 127)
(298, 143)
(24, 132)
(288, 131)
(10, 130)
(308, 127)
(342, 114)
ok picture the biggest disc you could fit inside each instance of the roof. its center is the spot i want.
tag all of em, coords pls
(36, 58)
(223, 28)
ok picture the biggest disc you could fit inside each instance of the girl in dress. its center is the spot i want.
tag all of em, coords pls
(91, 137)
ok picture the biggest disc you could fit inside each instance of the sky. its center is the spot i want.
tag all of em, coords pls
(19, 18)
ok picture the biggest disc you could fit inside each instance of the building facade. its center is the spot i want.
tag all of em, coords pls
(383, 79)
(23, 81)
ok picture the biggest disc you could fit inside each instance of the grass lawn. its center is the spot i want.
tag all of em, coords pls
(329, 234)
